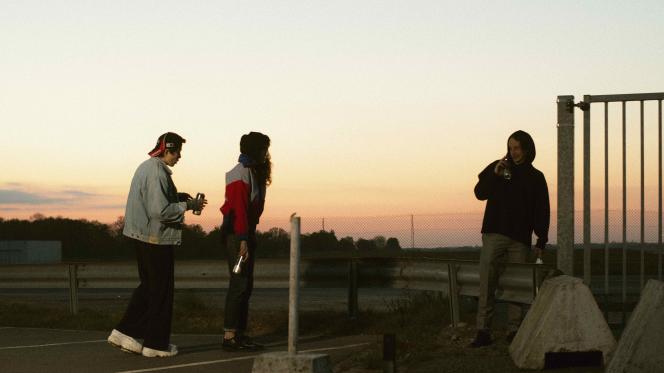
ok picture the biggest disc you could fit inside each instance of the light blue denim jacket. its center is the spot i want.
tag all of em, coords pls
(153, 213)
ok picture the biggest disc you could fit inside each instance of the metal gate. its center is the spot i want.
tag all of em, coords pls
(566, 164)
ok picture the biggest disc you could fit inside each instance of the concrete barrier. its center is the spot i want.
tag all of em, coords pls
(564, 318)
(297, 363)
(641, 344)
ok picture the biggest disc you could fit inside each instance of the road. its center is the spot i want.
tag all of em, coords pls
(261, 299)
(48, 350)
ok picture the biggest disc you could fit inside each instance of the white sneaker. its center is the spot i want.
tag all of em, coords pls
(124, 342)
(149, 352)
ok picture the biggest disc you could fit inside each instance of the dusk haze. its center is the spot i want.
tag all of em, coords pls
(332, 186)
(374, 108)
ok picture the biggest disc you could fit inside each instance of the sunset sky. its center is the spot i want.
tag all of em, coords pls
(373, 107)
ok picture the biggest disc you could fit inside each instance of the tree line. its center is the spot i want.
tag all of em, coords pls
(85, 240)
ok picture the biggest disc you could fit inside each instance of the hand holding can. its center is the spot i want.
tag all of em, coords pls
(200, 203)
(507, 173)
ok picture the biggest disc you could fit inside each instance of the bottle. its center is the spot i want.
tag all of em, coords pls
(199, 197)
(237, 268)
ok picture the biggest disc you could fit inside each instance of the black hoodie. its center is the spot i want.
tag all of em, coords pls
(516, 207)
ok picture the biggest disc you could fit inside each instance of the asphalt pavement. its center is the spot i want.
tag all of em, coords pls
(51, 350)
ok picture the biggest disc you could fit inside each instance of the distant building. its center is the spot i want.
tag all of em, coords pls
(30, 252)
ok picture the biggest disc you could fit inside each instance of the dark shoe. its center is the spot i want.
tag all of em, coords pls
(483, 338)
(238, 343)
(250, 343)
(510, 336)
(233, 344)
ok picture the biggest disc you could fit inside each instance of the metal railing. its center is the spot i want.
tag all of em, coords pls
(566, 163)
(518, 283)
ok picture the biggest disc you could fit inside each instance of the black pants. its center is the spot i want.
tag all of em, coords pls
(241, 284)
(150, 309)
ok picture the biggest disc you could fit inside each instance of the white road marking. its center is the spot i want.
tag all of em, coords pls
(235, 359)
(51, 344)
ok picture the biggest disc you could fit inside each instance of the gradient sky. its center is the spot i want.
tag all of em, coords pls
(373, 107)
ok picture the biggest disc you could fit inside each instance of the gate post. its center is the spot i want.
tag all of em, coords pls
(565, 254)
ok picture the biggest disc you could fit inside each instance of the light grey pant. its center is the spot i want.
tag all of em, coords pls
(495, 249)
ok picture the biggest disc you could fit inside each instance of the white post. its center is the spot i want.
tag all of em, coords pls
(291, 361)
(293, 299)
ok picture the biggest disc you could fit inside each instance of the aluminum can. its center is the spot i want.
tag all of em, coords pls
(199, 197)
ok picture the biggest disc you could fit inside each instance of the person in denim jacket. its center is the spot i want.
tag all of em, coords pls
(154, 217)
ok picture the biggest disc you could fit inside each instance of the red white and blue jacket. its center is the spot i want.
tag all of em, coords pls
(245, 199)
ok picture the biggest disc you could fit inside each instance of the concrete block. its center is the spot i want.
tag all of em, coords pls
(563, 318)
(286, 363)
(641, 344)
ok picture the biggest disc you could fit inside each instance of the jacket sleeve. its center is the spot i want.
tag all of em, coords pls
(159, 207)
(487, 182)
(542, 213)
(237, 196)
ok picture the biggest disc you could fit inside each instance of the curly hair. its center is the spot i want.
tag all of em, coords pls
(254, 144)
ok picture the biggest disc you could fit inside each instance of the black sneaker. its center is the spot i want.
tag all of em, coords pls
(238, 343)
(250, 343)
(483, 338)
(233, 344)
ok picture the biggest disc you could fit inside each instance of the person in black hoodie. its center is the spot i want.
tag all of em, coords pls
(517, 205)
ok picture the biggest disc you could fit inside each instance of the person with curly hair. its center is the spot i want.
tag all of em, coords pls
(246, 185)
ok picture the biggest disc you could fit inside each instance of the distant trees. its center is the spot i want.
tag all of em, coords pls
(273, 243)
(347, 244)
(366, 245)
(380, 242)
(84, 240)
(392, 244)
(320, 241)
(81, 239)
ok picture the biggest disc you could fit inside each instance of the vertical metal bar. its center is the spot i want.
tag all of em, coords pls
(389, 353)
(606, 200)
(659, 210)
(294, 285)
(73, 289)
(643, 263)
(323, 224)
(352, 290)
(586, 193)
(412, 232)
(453, 294)
(565, 252)
(534, 283)
(624, 205)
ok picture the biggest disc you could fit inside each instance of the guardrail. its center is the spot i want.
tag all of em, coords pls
(518, 283)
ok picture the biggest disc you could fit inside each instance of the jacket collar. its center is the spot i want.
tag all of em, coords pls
(163, 165)
(246, 160)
